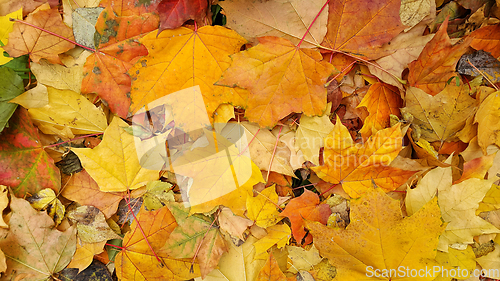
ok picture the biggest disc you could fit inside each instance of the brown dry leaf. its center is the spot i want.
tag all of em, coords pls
(289, 19)
(361, 28)
(233, 224)
(35, 250)
(25, 39)
(80, 187)
(262, 147)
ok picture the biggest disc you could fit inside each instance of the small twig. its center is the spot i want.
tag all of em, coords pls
(52, 33)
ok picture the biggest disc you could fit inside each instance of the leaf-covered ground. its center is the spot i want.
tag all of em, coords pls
(249, 140)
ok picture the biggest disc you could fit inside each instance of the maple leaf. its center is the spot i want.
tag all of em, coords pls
(238, 264)
(193, 57)
(289, 19)
(310, 135)
(131, 8)
(356, 166)
(381, 101)
(297, 85)
(81, 188)
(305, 207)
(64, 77)
(262, 208)
(303, 259)
(91, 225)
(233, 224)
(441, 116)
(6, 26)
(68, 109)
(24, 165)
(84, 254)
(487, 39)
(25, 39)
(195, 237)
(360, 28)
(114, 163)
(105, 71)
(173, 13)
(34, 250)
(458, 204)
(436, 64)
(278, 235)
(379, 238)
(488, 119)
(136, 259)
(271, 271)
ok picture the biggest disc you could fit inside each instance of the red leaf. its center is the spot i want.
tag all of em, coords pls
(24, 165)
(173, 13)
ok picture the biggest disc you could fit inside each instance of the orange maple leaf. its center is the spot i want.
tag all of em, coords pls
(148, 233)
(487, 39)
(436, 64)
(281, 79)
(39, 44)
(305, 207)
(105, 71)
(357, 165)
(381, 101)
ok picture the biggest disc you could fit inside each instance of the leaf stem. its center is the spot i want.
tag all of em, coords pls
(80, 137)
(309, 28)
(115, 246)
(142, 231)
(52, 33)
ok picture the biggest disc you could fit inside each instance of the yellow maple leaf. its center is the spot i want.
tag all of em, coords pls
(262, 208)
(114, 164)
(441, 116)
(378, 240)
(488, 119)
(458, 204)
(278, 234)
(182, 58)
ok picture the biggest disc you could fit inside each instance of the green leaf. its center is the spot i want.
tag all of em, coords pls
(11, 86)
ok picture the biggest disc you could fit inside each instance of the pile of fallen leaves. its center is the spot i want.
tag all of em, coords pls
(250, 140)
